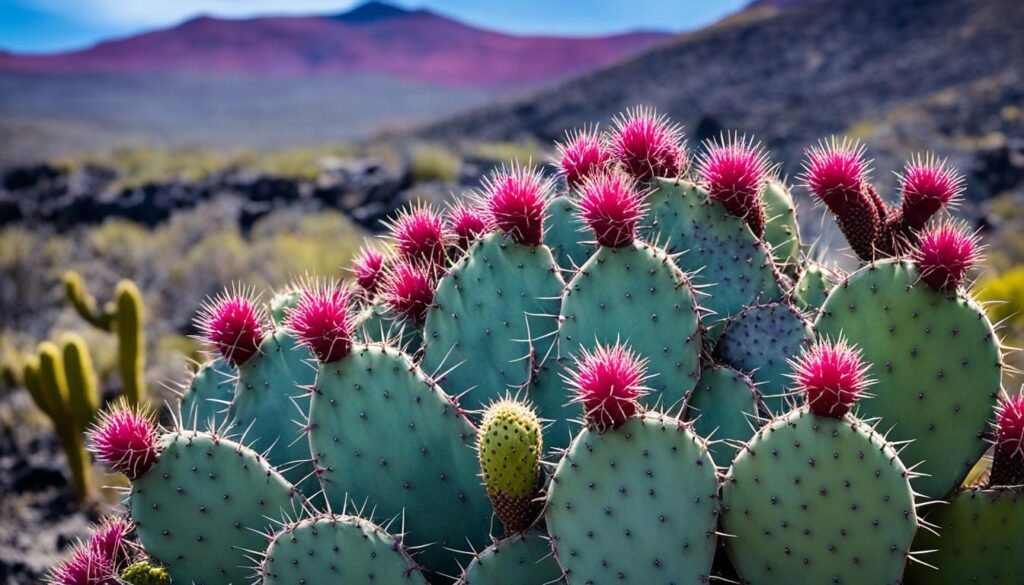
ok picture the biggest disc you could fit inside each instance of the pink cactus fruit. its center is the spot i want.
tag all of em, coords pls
(648, 145)
(581, 155)
(832, 376)
(232, 323)
(611, 206)
(735, 170)
(515, 199)
(609, 382)
(945, 253)
(126, 439)
(323, 320)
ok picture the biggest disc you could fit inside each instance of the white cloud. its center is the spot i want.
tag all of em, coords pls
(145, 13)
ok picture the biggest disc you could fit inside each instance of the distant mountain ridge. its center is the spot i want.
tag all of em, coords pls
(375, 38)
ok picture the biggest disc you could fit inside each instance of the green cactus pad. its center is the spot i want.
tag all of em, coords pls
(383, 434)
(338, 550)
(813, 286)
(282, 303)
(936, 361)
(638, 296)
(720, 250)
(376, 324)
(782, 230)
(563, 236)
(271, 394)
(548, 392)
(204, 503)
(980, 540)
(759, 341)
(637, 504)
(144, 573)
(818, 500)
(204, 404)
(523, 559)
(510, 447)
(478, 324)
(723, 406)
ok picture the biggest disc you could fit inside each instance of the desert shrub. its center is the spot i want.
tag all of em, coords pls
(30, 264)
(432, 162)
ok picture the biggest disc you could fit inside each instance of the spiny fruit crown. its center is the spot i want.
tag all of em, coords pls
(647, 145)
(233, 324)
(835, 172)
(608, 382)
(1010, 425)
(125, 439)
(323, 320)
(510, 447)
(581, 155)
(944, 253)
(84, 566)
(611, 206)
(368, 267)
(832, 375)
(409, 291)
(420, 235)
(515, 200)
(467, 223)
(110, 539)
(927, 185)
(735, 170)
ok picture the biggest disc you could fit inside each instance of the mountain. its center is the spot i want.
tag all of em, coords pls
(372, 39)
(904, 75)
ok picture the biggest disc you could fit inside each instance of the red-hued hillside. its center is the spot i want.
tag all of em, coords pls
(372, 39)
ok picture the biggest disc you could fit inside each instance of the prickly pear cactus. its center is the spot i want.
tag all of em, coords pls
(551, 397)
(337, 549)
(724, 407)
(759, 341)
(636, 294)
(205, 400)
(720, 250)
(813, 499)
(383, 433)
(980, 540)
(782, 228)
(637, 504)
(272, 393)
(523, 559)
(563, 234)
(936, 360)
(283, 302)
(376, 324)
(204, 503)
(813, 286)
(492, 313)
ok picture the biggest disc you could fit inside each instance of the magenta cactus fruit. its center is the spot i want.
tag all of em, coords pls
(734, 170)
(832, 376)
(368, 268)
(233, 324)
(1008, 460)
(581, 155)
(420, 235)
(611, 206)
(110, 539)
(836, 172)
(515, 200)
(84, 566)
(609, 382)
(125, 439)
(945, 253)
(467, 223)
(323, 320)
(647, 145)
(926, 186)
(409, 291)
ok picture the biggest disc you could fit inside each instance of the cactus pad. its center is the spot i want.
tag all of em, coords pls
(818, 500)
(723, 406)
(478, 325)
(980, 541)
(204, 403)
(523, 559)
(936, 361)
(717, 248)
(782, 230)
(636, 295)
(337, 549)
(563, 235)
(813, 286)
(204, 503)
(635, 505)
(759, 341)
(271, 394)
(376, 324)
(382, 433)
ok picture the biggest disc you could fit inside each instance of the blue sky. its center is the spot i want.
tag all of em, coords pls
(54, 25)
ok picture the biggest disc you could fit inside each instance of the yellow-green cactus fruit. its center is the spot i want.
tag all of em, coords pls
(510, 448)
(143, 573)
